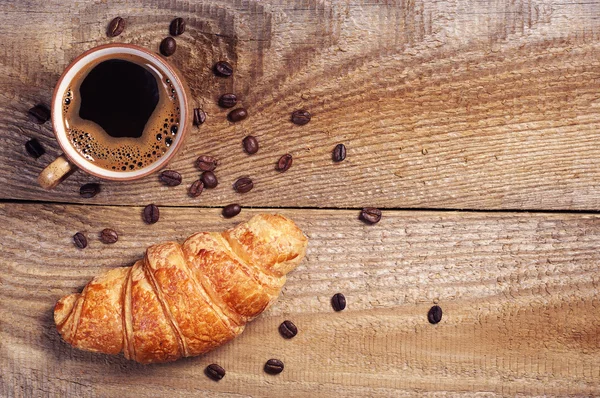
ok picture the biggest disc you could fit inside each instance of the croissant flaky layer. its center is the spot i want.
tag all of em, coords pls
(184, 300)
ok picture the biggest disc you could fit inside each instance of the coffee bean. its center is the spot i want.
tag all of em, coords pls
(108, 236)
(338, 302)
(196, 188)
(339, 153)
(250, 144)
(80, 240)
(89, 190)
(284, 163)
(199, 117)
(370, 215)
(228, 100)
(170, 178)
(243, 185)
(209, 179)
(231, 210)
(168, 46)
(300, 117)
(435, 314)
(214, 372)
(206, 163)
(237, 115)
(150, 214)
(34, 148)
(274, 366)
(177, 27)
(115, 27)
(287, 329)
(223, 69)
(39, 114)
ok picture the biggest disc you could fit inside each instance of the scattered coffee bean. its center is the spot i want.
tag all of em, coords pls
(39, 114)
(223, 69)
(435, 314)
(243, 185)
(338, 302)
(274, 366)
(108, 236)
(228, 100)
(34, 148)
(199, 117)
(80, 240)
(150, 214)
(250, 144)
(370, 215)
(237, 115)
(284, 163)
(231, 210)
(300, 117)
(89, 190)
(287, 329)
(115, 27)
(339, 153)
(206, 163)
(214, 372)
(209, 179)
(170, 178)
(177, 27)
(168, 46)
(196, 188)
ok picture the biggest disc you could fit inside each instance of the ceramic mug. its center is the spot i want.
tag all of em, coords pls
(71, 159)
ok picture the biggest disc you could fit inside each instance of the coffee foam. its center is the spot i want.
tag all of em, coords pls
(123, 154)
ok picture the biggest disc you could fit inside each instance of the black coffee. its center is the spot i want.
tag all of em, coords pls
(121, 113)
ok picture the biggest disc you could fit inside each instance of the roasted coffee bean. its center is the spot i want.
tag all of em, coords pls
(168, 46)
(39, 114)
(34, 148)
(243, 185)
(170, 178)
(214, 372)
(80, 240)
(108, 236)
(231, 210)
(300, 117)
(115, 27)
(339, 153)
(206, 163)
(209, 179)
(370, 215)
(177, 27)
(199, 117)
(338, 302)
(237, 115)
(228, 100)
(196, 188)
(284, 163)
(223, 69)
(274, 366)
(287, 329)
(250, 144)
(151, 214)
(89, 190)
(435, 314)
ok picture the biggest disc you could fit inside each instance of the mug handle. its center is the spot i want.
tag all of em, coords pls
(56, 172)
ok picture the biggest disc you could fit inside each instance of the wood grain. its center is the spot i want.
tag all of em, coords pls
(445, 104)
(519, 293)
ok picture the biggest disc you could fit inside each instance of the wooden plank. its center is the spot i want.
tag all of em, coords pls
(519, 293)
(445, 104)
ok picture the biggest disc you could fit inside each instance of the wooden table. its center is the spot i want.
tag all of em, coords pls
(474, 125)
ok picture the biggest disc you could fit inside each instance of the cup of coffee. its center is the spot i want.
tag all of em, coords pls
(119, 112)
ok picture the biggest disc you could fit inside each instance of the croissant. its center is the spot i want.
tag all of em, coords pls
(184, 300)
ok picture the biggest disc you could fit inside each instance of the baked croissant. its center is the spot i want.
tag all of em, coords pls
(184, 300)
